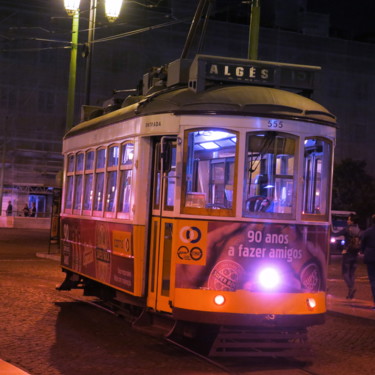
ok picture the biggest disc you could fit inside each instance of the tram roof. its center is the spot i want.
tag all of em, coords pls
(240, 100)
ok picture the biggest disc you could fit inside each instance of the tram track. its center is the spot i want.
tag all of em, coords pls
(230, 366)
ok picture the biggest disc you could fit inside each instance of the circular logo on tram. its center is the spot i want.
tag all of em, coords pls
(183, 253)
(311, 277)
(196, 253)
(190, 234)
(226, 275)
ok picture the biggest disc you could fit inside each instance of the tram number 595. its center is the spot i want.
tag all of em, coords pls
(275, 124)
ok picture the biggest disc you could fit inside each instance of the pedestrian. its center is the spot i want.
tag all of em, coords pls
(26, 210)
(9, 209)
(352, 246)
(33, 210)
(368, 247)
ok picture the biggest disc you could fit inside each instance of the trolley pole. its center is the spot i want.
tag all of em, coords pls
(254, 30)
(72, 72)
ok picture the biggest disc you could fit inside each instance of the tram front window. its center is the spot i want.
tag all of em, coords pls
(209, 171)
(317, 167)
(269, 175)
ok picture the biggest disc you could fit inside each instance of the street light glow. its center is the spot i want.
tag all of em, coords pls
(71, 6)
(112, 9)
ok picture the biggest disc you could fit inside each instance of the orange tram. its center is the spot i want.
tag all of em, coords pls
(206, 199)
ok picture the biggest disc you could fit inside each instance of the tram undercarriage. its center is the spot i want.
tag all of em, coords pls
(266, 336)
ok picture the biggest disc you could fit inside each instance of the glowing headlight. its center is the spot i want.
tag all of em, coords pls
(333, 239)
(269, 278)
(311, 303)
(219, 299)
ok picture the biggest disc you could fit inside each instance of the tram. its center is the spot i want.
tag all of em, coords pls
(206, 198)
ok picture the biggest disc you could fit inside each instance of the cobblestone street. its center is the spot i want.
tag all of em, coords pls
(46, 332)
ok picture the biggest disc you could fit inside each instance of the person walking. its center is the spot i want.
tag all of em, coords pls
(26, 210)
(33, 210)
(352, 235)
(368, 247)
(9, 209)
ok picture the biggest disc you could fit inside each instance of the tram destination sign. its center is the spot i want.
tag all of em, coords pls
(240, 71)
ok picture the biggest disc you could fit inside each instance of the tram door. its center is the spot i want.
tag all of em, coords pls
(163, 193)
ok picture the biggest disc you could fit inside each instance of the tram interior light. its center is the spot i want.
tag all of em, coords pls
(269, 278)
(209, 145)
(211, 140)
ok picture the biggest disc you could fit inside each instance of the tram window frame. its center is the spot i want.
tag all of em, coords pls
(69, 183)
(78, 183)
(310, 191)
(99, 181)
(125, 179)
(197, 202)
(171, 175)
(88, 196)
(268, 159)
(112, 170)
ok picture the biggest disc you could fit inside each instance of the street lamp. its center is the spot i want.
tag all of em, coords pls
(112, 8)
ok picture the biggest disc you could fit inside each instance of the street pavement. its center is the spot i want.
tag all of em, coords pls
(360, 306)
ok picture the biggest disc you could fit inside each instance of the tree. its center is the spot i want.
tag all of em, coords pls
(353, 189)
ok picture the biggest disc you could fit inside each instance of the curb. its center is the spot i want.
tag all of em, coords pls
(56, 257)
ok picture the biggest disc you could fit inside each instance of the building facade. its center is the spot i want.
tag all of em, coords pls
(34, 65)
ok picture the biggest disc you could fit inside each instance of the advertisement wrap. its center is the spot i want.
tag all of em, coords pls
(231, 256)
(100, 250)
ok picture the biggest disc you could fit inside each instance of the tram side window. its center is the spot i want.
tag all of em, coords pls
(113, 159)
(88, 195)
(209, 171)
(79, 162)
(69, 182)
(89, 163)
(269, 175)
(88, 181)
(113, 155)
(99, 185)
(78, 182)
(99, 179)
(70, 163)
(100, 158)
(69, 192)
(317, 169)
(171, 182)
(127, 153)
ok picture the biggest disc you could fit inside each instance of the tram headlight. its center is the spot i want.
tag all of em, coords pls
(311, 303)
(269, 278)
(219, 299)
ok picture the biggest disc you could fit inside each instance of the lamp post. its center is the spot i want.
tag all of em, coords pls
(254, 30)
(112, 8)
